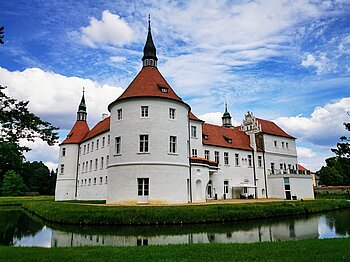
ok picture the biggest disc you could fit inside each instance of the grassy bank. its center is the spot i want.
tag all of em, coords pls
(304, 250)
(332, 196)
(18, 201)
(73, 213)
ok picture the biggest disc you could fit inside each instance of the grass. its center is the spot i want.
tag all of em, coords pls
(332, 196)
(18, 201)
(303, 250)
(75, 213)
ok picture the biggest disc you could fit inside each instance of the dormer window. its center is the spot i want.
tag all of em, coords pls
(163, 89)
(205, 137)
(228, 140)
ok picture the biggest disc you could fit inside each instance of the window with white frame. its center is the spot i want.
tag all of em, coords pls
(216, 156)
(95, 180)
(287, 145)
(172, 144)
(88, 148)
(275, 143)
(194, 152)
(86, 166)
(85, 182)
(103, 142)
(120, 114)
(144, 144)
(102, 162)
(193, 131)
(107, 161)
(259, 161)
(92, 146)
(90, 169)
(237, 159)
(101, 180)
(89, 181)
(63, 151)
(84, 149)
(108, 139)
(97, 143)
(144, 111)
(226, 162)
(250, 160)
(172, 113)
(83, 169)
(96, 164)
(62, 169)
(106, 180)
(225, 187)
(143, 186)
(206, 154)
(118, 141)
(282, 144)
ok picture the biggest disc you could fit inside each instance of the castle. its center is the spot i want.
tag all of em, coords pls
(153, 149)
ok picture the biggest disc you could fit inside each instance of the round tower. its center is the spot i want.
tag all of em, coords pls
(149, 137)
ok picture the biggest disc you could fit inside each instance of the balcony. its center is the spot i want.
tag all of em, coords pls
(203, 161)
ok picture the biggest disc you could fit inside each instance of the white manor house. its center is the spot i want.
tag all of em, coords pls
(153, 149)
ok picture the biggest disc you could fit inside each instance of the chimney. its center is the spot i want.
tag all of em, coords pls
(104, 116)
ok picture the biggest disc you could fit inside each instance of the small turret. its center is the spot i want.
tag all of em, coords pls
(149, 51)
(226, 118)
(82, 114)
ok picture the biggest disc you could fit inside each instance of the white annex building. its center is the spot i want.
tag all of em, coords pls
(153, 149)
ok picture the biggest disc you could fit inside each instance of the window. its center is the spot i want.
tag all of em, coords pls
(120, 114)
(101, 179)
(102, 160)
(172, 145)
(226, 158)
(282, 144)
(193, 131)
(107, 161)
(96, 164)
(77, 182)
(88, 148)
(84, 149)
(97, 143)
(237, 159)
(85, 181)
(94, 180)
(281, 166)
(287, 145)
(225, 187)
(92, 146)
(82, 182)
(217, 158)
(206, 154)
(63, 151)
(143, 186)
(117, 144)
(275, 143)
(250, 160)
(103, 142)
(272, 168)
(286, 180)
(86, 166)
(90, 166)
(89, 181)
(194, 152)
(82, 171)
(106, 180)
(108, 139)
(144, 111)
(259, 161)
(171, 113)
(62, 169)
(143, 143)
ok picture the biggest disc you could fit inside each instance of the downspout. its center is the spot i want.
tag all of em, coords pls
(256, 189)
(76, 176)
(265, 175)
(189, 157)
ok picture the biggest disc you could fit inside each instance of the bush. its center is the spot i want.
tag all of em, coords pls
(13, 185)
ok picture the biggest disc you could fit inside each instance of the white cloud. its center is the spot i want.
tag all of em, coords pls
(215, 118)
(322, 63)
(325, 125)
(111, 30)
(117, 59)
(305, 152)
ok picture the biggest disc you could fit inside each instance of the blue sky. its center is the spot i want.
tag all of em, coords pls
(287, 61)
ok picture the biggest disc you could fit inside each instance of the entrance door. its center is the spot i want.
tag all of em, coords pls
(210, 190)
(288, 196)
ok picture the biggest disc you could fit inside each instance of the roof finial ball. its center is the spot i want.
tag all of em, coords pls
(149, 51)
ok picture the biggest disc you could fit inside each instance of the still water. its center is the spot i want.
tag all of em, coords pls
(18, 228)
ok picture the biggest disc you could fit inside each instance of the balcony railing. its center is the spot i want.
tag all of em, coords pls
(287, 172)
(204, 161)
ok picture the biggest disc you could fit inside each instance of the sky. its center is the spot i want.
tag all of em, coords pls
(285, 61)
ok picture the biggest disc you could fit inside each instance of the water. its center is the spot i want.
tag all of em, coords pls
(18, 228)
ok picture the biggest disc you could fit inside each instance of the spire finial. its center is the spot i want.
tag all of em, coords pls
(149, 22)
(83, 90)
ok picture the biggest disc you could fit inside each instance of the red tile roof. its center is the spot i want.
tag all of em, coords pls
(271, 128)
(149, 83)
(99, 128)
(221, 136)
(191, 116)
(78, 133)
(300, 167)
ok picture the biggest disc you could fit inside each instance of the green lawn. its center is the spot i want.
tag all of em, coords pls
(18, 201)
(332, 196)
(304, 250)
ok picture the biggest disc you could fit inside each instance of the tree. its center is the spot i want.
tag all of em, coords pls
(13, 184)
(1, 35)
(16, 123)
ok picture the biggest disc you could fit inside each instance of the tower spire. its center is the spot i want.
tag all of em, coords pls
(149, 51)
(81, 114)
(226, 118)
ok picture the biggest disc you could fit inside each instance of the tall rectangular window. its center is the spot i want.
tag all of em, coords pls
(193, 131)
(272, 168)
(287, 145)
(216, 156)
(206, 154)
(282, 144)
(92, 146)
(107, 161)
(86, 166)
(88, 148)
(97, 143)
(144, 143)
(103, 142)
(62, 169)
(226, 162)
(120, 114)
(90, 166)
(172, 144)
(143, 186)
(250, 160)
(102, 162)
(259, 161)
(118, 144)
(84, 149)
(144, 111)
(83, 169)
(63, 151)
(96, 164)
(194, 152)
(237, 159)
(275, 143)
(172, 113)
(101, 180)
(94, 180)
(226, 187)
(108, 139)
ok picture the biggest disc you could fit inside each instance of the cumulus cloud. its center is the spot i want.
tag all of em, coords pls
(305, 152)
(322, 64)
(110, 30)
(323, 127)
(56, 97)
